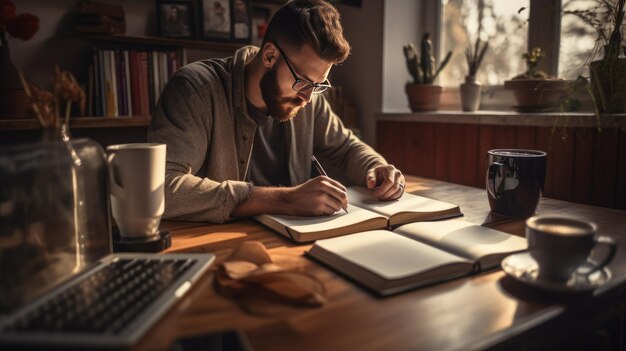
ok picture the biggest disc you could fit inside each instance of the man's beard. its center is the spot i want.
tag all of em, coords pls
(278, 107)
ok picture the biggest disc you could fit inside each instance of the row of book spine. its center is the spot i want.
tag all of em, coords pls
(129, 82)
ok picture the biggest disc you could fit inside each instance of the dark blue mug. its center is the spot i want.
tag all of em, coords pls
(515, 180)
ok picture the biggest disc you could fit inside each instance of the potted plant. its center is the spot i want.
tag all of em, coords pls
(470, 90)
(535, 90)
(422, 93)
(608, 74)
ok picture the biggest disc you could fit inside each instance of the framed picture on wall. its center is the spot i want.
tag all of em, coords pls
(216, 19)
(176, 19)
(242, 20)
(260, 19)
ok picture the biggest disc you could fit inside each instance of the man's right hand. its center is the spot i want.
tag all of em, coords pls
(316, 197)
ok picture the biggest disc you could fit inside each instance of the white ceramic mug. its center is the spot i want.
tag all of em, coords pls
(560, 245)
(137, 177)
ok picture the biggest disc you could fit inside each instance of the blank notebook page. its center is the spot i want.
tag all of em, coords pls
(389, 255)
(362, 197)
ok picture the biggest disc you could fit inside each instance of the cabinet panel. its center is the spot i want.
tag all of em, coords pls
(441, 152)
(604, 170)
(525, 137)
(463, 154)
(560, 166)
(388, 141)
(620, 201)
(420, 158)
(584, 165)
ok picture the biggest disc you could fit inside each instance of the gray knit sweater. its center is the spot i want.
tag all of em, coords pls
(202, 117)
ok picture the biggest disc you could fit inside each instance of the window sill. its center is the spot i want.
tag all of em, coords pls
(509, 118)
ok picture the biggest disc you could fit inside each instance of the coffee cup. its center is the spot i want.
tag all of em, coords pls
(515, 180)
(561, 245)
(137, 177)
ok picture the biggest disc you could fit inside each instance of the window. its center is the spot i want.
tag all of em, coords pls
(578, 40)
(499, 23)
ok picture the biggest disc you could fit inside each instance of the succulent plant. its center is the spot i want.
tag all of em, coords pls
(474, 56)
(422, 67)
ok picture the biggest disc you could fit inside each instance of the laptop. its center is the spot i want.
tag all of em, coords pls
(60, 284)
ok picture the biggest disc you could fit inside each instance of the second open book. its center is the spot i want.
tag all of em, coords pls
(365, 213)
(416, 254)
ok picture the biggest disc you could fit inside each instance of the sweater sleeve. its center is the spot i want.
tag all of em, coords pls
(340, 147)
(183, 121)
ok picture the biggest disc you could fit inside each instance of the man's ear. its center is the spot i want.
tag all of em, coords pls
(269, 54)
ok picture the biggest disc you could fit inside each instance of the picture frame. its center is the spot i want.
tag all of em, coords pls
(260, 19)
(241, 20)
(216, 19)
(176, 19)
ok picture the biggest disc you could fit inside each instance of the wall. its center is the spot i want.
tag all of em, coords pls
(361, 74)
(401, 27)
(37, 56)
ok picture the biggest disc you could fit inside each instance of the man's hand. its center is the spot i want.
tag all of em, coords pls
(387, 182)
(316, 197)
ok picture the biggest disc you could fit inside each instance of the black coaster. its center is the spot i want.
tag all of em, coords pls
(154, 243)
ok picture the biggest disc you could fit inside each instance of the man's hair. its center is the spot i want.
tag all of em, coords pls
(313, 22)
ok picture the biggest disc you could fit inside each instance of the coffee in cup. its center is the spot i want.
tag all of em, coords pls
(137, 178)
(515, 180)
(561, 245)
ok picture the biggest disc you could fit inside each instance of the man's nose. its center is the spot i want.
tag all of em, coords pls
(306, 95)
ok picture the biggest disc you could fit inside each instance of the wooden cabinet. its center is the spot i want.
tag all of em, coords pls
(585, 165)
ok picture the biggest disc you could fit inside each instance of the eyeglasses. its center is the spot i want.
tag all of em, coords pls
(302, 85)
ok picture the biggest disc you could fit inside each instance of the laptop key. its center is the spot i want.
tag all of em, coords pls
(106, 301)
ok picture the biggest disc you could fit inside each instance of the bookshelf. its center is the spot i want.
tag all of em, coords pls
(159, 41)
(10, 123)
(79, 123)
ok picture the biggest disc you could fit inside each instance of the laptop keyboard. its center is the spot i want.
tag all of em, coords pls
(105, 301)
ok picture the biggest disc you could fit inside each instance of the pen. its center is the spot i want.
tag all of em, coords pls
(321, 171)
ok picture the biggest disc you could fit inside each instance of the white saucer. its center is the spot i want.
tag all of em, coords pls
(523, 268)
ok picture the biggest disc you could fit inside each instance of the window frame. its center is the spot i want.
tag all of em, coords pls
(544, 30)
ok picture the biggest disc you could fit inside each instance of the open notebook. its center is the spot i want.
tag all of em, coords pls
(416, 254)
(365, 213)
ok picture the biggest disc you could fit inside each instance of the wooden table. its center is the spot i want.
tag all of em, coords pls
(489, 310)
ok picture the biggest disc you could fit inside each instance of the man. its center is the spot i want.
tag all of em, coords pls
(240, 131)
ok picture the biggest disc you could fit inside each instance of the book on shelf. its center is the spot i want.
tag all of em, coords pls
(91, 18)
(101, 28)
(365, 212)
(109, 10)
(120, 74)
(113, 68)
(128, 82)
(416, 254)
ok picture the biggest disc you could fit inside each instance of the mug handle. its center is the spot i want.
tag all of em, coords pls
(494, 190)
(604, 240)
(116, 189)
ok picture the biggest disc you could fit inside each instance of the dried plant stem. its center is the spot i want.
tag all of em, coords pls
(68, 108)
(29, 95)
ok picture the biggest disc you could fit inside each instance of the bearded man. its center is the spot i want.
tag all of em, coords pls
(241, 131)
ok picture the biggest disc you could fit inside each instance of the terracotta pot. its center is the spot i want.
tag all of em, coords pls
(423, 97)
(536, 94)
(12, 94)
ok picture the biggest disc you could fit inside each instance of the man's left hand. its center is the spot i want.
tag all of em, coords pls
(387, 182)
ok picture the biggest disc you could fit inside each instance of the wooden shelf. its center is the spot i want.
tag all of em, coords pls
(79, 122)
(160, 41)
